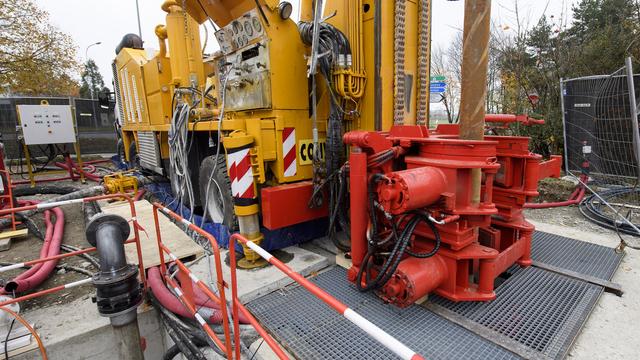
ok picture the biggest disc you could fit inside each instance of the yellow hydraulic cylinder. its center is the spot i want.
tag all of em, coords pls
(238, 146)
(184, 46)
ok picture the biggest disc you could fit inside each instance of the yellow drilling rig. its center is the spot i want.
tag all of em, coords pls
(252, 133)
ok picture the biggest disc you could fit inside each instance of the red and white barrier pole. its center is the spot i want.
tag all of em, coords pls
(367, 326)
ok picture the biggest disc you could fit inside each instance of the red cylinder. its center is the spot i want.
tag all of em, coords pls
(411, 189)
(414, 279)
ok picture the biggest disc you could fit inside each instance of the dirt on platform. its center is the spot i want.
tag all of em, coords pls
(552, 190)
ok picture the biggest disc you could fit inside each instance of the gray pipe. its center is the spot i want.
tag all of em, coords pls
(109, 244)
(118, 291)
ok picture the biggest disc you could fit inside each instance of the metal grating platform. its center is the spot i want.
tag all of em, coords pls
(539, 311)
(310, 330)
(579, 256)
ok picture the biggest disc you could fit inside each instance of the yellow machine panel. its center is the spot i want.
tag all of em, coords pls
(254, 101)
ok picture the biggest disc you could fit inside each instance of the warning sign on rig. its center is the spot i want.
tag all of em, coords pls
(305, 150)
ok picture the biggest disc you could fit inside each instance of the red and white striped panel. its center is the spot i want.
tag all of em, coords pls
(289, 151)
(241, 174)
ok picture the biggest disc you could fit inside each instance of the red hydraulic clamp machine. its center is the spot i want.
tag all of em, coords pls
(424, 229)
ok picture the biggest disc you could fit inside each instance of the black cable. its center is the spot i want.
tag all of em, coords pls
(421, 217)
(400, 247)
(258, 348)
(175, 349)
(592, 209)
(6, 339)
(172, 352)
(177, 330)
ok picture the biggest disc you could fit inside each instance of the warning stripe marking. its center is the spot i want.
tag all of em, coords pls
(289, 151)
(241, 174)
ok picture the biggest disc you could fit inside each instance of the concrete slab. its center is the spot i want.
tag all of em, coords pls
(76, 331)
(253, 284)
(611, 332)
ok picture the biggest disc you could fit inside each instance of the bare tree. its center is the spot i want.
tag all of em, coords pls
(442, 64)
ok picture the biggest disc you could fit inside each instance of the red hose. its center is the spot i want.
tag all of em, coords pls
(25, 283)
(140, 194)
(169, 301)
(576, 198)
(45, 246)
(88, 173)
(44, 251)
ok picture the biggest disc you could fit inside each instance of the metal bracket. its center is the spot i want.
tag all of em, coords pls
(608, 286)
(487, 334)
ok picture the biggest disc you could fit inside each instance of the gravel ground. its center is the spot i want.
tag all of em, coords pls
(28, 248)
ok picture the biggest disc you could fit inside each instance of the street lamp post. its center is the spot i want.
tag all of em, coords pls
(86, 56)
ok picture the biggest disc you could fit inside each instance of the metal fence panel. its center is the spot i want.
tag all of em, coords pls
(599, 129)
(95, 124)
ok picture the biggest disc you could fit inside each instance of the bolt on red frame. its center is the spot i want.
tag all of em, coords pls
(40, 206)
(186, 294)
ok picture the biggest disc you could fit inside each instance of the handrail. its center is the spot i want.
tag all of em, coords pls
(186, 295)
(135, 239)
(371, 329)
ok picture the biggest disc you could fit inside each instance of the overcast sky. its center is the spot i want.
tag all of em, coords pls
(90, 21)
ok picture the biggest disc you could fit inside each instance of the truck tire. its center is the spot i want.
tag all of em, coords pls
(218, 203)
(134, 160)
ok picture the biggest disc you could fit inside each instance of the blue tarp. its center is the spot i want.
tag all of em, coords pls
(273, 239)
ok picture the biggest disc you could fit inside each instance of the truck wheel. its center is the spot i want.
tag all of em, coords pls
(134, 159)
(215, 191)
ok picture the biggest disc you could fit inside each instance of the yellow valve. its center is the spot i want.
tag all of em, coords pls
(121, 183)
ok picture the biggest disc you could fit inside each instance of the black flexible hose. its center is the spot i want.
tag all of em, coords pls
(392, 262)
(175, 349)
(421, 217)
(592, 209)
(46, 189)
(338, 208)
(400, 248)
(176, 333)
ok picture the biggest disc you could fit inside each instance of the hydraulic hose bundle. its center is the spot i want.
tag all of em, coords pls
(179, 157)
(401, 242)
(336, 50)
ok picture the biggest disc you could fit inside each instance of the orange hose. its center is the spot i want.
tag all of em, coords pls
(31, 330)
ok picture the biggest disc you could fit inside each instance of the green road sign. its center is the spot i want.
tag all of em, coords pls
(438, 78)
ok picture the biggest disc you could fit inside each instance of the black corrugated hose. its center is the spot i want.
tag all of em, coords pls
(593, 208)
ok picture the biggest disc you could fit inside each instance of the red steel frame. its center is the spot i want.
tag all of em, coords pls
(187, 297)
(135, 240)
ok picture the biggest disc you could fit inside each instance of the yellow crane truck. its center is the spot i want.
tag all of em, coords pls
(253, 133)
